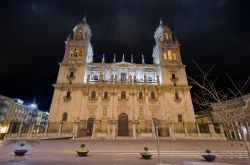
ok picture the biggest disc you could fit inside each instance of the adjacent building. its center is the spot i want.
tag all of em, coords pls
(234, 114)
(13, 112)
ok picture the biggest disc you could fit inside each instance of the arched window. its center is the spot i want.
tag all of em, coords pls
(174, 56)
(65, 116)
(177, 97)
(93, 95)
(140, 95)
(165, 56)
(152, 95)
(71, 75)
(180, 118)
(173, 76)
(123, 95)
(105, 95)
(170, 57)
(68, 94)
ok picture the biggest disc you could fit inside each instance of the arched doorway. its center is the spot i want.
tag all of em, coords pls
(123, 125)
(90, 125)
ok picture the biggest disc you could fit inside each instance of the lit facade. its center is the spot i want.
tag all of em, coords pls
(234, 114)
(13, 112)
(122, 98)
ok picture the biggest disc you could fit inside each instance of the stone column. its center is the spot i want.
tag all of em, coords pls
(134, 131)
(60, 129)
(32, 129)
(171, 130)
(46, 128)
(221, 130)
(20, 128)
(185, 129)
(113, 129)
(75, 129)
(198, 129)
(235, 134)
(93, 130)
(108, 130)
(211, 129)
(153, 130)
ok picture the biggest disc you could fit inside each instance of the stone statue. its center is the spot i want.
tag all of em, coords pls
(88, 78)
(112, 78)
(130, 79)
(157, 79)
(134, 78)
(116, 77)
(101, 77)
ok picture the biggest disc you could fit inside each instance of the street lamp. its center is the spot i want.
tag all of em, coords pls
(156, 124)
(244, 132)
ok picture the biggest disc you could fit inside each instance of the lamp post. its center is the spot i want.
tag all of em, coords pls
(156, 124)
(244, 132)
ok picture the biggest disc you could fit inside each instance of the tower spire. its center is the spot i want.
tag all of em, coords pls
(142, 60)
(123, 59)
(114, 59)
(103, 58)
(161, 22)
(132, 60)
(84, 19)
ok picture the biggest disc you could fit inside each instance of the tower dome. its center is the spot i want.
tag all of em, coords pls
(82, 31)
(163, 33)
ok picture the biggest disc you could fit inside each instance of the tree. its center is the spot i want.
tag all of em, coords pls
(228, 106)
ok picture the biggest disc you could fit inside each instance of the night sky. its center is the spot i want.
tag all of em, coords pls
(211, 32)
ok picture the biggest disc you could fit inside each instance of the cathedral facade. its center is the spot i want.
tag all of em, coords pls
(111, 100)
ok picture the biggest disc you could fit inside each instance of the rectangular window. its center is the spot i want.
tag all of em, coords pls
(174, 56)
(170, 55)
(95, 77)
(165, 56)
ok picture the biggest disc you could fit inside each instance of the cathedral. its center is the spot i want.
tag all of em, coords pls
(123, 99)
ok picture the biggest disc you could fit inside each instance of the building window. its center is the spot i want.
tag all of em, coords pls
(93, 95)
(150, 79)
(170, 55)
(165, 56)
(65, 116)
(95, 77)
(123, 95)
(68, 95)
(166, 36)
(173, 76)
(105, 95)
(180, 118)
(152, 95)
(140, 95)
(71, 75)
(177, 97)
(174, 56)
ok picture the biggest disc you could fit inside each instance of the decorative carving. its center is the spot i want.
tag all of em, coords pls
(105, 111)
(134, 78)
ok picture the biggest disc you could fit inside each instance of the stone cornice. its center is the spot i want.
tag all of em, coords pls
(117, 86)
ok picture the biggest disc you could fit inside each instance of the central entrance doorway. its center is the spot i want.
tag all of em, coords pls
(123, 124)
(90, 125)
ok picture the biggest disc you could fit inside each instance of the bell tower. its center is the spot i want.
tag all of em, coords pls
(166, 52)
(78, 53)
(78, 48)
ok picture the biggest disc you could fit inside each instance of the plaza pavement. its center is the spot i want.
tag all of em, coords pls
(118, 152)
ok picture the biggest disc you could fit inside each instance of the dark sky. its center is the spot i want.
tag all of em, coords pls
(211, 32)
